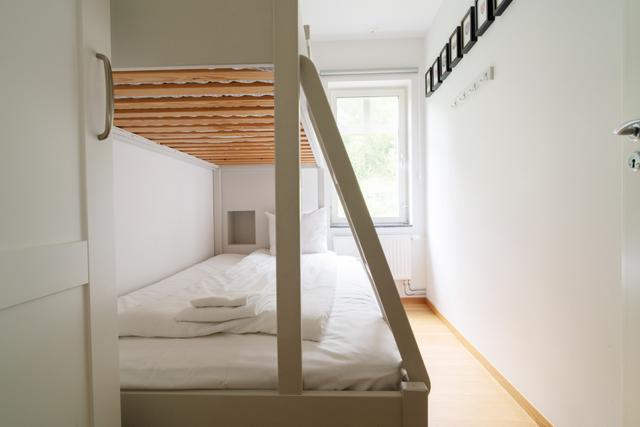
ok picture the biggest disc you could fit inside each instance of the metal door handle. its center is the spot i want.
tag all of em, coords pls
(108, 78)
(630, 128)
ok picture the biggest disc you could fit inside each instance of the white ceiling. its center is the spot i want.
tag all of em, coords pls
(365, 19)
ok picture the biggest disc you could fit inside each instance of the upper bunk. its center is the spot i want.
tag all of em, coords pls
(224, 116)
(198, 76)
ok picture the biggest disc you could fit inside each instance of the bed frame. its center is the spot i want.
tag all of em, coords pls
(290, 405)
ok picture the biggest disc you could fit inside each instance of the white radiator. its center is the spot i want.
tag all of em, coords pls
(396, 248)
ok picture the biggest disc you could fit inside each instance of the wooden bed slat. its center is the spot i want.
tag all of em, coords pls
(216, 141)
(254, 162)
(191, 102)
(191, 121)
(240, 149)
(267, 141)
(199, 135)
(194, 112)
(248, 150)
(246, 155)
(191, 76)
(196, 129)
(238, 158)
(193, 89)
(234, 146)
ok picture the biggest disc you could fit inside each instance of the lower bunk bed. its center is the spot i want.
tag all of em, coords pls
(352, 374)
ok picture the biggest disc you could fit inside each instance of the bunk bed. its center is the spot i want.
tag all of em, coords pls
(273, 41)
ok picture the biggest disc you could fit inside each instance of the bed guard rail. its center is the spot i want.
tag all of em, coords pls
(347, 188)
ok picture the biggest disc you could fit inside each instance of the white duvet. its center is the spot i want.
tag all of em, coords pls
(153, 314)
(356, 351)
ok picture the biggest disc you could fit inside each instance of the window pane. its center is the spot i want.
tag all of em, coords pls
(351, 117)
(384, 114)
(370, 130)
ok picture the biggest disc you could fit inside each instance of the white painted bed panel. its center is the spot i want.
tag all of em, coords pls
(163, 212)
(287, 233)
(267, 408)
(161, 33)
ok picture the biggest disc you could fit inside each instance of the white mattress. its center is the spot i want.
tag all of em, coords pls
(357, 351)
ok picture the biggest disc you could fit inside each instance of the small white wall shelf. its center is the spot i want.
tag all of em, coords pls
(241, 227)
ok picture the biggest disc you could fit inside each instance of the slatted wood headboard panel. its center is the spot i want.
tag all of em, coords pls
(221, 115)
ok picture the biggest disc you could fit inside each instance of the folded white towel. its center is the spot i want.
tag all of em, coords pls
(220, 301)
(216, 314)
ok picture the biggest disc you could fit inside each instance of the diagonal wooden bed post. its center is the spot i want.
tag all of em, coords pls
(287, 141)
(354, 205)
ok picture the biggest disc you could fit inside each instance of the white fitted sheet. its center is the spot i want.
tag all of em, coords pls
(357, 351)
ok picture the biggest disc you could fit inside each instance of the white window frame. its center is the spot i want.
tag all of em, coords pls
(380, 89)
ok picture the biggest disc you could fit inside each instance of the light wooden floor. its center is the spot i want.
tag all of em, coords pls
(463, 393)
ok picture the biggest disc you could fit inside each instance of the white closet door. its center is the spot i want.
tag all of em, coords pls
(631, 214)
(58, 346)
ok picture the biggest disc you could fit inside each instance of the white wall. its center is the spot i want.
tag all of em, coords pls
(387, 54)
(164, 214)
(252, 188)
(524, 202)
(367, 54)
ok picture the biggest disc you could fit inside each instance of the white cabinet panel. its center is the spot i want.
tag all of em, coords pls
(40, 177)
(44, 362)
(53, 370)
(31, 273)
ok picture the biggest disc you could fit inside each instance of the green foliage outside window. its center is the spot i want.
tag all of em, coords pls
(370, 130)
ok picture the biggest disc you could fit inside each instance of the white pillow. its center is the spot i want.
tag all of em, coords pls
(271, 219)
(314, 230)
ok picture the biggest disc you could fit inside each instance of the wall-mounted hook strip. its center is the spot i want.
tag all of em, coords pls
(486, 76)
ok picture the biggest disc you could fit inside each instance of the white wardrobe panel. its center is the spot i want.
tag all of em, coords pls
(46, 349)
(44, 363)
(40, 181)
(36, 272)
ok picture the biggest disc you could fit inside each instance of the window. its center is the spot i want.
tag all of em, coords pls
(373, 124)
